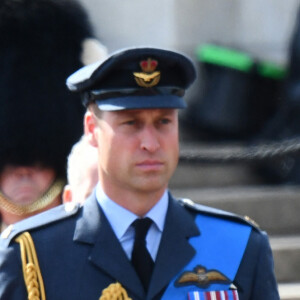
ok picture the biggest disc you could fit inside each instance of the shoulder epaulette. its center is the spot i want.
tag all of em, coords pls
(217, 212)
(50, 216)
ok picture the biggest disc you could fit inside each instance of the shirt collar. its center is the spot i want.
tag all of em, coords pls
(120, 218)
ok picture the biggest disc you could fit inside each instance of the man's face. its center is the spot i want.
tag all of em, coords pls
(23, 185)
(138, 149)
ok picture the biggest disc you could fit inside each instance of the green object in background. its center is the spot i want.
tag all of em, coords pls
(271, 70)
(238, 60)
(224, 57)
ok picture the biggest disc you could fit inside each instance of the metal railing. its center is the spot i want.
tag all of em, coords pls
(242, 153)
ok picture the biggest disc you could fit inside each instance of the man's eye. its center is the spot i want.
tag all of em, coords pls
(130, 122)
(165, 121)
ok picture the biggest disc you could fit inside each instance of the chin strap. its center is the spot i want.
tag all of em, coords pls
(31, 269)
(43, 201)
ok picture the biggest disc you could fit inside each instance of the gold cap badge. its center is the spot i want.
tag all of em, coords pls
(149, 77)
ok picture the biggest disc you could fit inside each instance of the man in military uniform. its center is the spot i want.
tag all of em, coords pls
(131, 239)
(42, 42)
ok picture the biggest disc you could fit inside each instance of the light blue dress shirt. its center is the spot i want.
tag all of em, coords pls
(120, 220)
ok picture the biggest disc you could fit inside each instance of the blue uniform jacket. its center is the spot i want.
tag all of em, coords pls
(79, 255)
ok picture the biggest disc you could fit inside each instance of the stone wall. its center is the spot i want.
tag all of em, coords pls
(262, 28)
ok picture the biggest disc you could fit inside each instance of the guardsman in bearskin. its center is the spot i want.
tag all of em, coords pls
(42, 42)
(131, 239)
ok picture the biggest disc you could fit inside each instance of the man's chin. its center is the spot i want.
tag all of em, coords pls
(152, 185)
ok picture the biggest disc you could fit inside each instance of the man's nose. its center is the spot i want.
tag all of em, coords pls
(150, 139)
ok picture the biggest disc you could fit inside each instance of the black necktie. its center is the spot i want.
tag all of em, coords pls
(141, 259)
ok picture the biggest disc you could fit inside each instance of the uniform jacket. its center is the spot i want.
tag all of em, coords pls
(79, 255)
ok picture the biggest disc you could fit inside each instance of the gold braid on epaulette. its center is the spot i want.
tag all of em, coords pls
(114, 291)
(31, 269)
(17, 209)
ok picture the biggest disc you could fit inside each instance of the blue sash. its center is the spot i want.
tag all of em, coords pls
(220, 246)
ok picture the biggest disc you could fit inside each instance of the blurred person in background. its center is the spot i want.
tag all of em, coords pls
(42, 42)
(82, 171)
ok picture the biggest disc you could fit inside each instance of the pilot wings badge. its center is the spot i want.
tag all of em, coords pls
(201, 277)
(149, 77)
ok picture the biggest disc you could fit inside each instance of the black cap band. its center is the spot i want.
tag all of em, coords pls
(98, 95)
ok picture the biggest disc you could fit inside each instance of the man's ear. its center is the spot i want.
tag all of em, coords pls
(67, 194)
(89, 128)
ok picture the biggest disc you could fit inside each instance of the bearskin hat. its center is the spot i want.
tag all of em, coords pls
(41, 44)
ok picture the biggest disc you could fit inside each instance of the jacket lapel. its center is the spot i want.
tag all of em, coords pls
(106, 251)
(174, 251)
